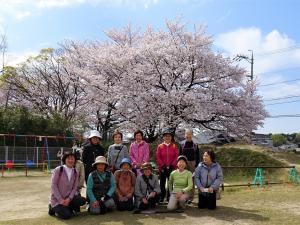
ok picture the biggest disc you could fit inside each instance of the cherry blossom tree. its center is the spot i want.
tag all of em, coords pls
(100, 69)
(176, 79)
(149, 80)
(45, 86)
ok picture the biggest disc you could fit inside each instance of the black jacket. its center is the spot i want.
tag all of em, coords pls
(191, 151)
(89, 154)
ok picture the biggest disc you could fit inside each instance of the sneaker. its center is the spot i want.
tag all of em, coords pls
(51, 212)
(189, 202)
(161, 201)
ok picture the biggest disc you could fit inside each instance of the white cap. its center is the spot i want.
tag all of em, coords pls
(95, 133)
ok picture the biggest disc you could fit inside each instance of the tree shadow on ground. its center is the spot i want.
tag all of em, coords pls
(229, 214)
(126, 217)
(222, 213)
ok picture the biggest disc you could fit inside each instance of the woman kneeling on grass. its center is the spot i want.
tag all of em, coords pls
(65, 201)
(147, 190)
(180, 185)
(208, 177)
(100, 187)
(125, 180)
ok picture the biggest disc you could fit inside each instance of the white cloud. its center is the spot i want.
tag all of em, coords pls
(280, 90)
(1, 25)
(266, 67)
(22, 15)
(14, 58)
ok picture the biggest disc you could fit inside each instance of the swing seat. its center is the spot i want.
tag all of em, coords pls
(29, 164)
(8, 164)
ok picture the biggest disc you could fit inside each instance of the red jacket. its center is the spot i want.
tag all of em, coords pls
(167, 155)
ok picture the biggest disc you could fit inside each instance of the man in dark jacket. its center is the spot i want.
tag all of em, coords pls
(90, 151)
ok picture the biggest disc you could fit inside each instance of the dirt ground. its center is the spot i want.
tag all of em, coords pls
(24, 200)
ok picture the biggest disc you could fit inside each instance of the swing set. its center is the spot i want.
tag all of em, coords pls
(259, 178)
(39, 158)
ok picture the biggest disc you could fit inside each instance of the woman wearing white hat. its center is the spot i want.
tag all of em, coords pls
(101, 186)
(90, 151)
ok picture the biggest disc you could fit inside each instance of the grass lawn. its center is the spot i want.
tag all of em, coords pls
(24, 201)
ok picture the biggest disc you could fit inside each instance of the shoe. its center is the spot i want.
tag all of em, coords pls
(161, 201)
(51, 212)
(77, 210)
(136, 211)
(189, 202)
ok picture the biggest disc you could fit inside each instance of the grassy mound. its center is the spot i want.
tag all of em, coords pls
(246, 157)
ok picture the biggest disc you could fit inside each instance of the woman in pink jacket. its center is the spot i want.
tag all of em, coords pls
(139, 151)
(166, 158)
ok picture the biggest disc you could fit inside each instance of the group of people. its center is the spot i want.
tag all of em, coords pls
(126, 180)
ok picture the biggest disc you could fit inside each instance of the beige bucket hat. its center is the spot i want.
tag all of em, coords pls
(100, 159)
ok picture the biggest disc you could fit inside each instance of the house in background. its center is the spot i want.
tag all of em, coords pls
(262, 139)
(216, 138)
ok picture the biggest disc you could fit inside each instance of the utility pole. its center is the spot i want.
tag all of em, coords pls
(239, 57)
(3, 48)
(252, 62)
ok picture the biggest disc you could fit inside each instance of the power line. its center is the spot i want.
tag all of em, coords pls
(275, 83)
(285, 116)
(280, 98)
(279, 103)
(281, 50)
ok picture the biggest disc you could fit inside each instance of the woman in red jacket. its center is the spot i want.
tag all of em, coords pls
(166, 157)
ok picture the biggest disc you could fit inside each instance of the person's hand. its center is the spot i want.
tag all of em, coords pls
(129, 196)
(152, 194)
(201, 189)
(179, 194)
(122, 199)
(65, 202)
(210, 190)
(145, 201)
(62, 202)
(95, 204)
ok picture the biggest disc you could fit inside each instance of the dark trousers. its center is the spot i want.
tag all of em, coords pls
(65, 212)
(87, 171)
(164, 175)
(151, 203)
(122, 206)
(207, 200)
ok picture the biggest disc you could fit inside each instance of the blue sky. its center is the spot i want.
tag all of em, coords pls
(236, 26)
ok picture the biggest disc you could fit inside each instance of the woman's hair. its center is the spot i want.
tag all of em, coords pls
(138, 132)
(66, 155)
(211, 154)
(116, 132)
(189, 131)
